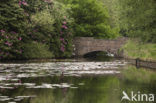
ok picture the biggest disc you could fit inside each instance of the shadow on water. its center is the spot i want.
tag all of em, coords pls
(98, 56)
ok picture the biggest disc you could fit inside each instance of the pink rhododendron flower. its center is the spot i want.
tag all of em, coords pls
(65, 17)
(65, 27)
(2, 31)
(62, 48)
(20, 51)
(7, 37)
(20, 3)
(20, 38)
(24, 3)
(9, 44)
(62, 39)
(64, 22)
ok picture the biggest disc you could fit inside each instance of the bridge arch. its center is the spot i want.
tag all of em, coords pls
(84, 45)
(93, 54)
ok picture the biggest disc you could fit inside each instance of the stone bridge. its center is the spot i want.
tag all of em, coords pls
(84, 45)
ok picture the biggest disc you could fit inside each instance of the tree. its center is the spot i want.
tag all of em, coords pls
(138, 19)
(91, 19)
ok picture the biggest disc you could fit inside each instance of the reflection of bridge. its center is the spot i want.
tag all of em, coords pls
(84, 45)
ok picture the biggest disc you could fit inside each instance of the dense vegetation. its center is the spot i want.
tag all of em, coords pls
(91, 19)
(135, 18)
(133, 49)
(32, 29)
(44, 31)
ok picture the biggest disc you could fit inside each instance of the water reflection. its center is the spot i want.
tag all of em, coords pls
(65, 82)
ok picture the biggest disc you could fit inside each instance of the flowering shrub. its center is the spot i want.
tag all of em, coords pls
(40, 25)
(9, 44)
(23, 2)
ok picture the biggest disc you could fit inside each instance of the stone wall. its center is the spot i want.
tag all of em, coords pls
(85, 45)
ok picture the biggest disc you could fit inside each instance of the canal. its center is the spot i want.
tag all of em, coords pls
(71, 82)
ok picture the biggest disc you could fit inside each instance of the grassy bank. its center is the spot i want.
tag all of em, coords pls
(143, 76)
(135, 49)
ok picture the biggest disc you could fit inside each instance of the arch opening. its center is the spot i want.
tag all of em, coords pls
(98, 55)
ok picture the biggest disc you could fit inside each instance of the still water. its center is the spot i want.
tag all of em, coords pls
(66, 82)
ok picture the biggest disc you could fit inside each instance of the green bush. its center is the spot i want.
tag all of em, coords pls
(91, 19)
(34, 50)
(61, 41)
(10, 47)
(51, 25)
(42, 27)
(13, 24)
(11, 17)
(43, 21)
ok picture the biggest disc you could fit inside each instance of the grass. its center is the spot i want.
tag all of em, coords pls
(134, 49)
(143, 76)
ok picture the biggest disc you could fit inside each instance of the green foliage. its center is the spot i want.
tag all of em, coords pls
(138, 19)
(12, 27)
(9, 45)
(11, 16)
(44, 20)
(41, 27)
(114, 12)
(61, 41)
(134, 49)
(91, 19)
(142, 76)
(35, 6)
(34, 50)
(47, 26)
(42, 24)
